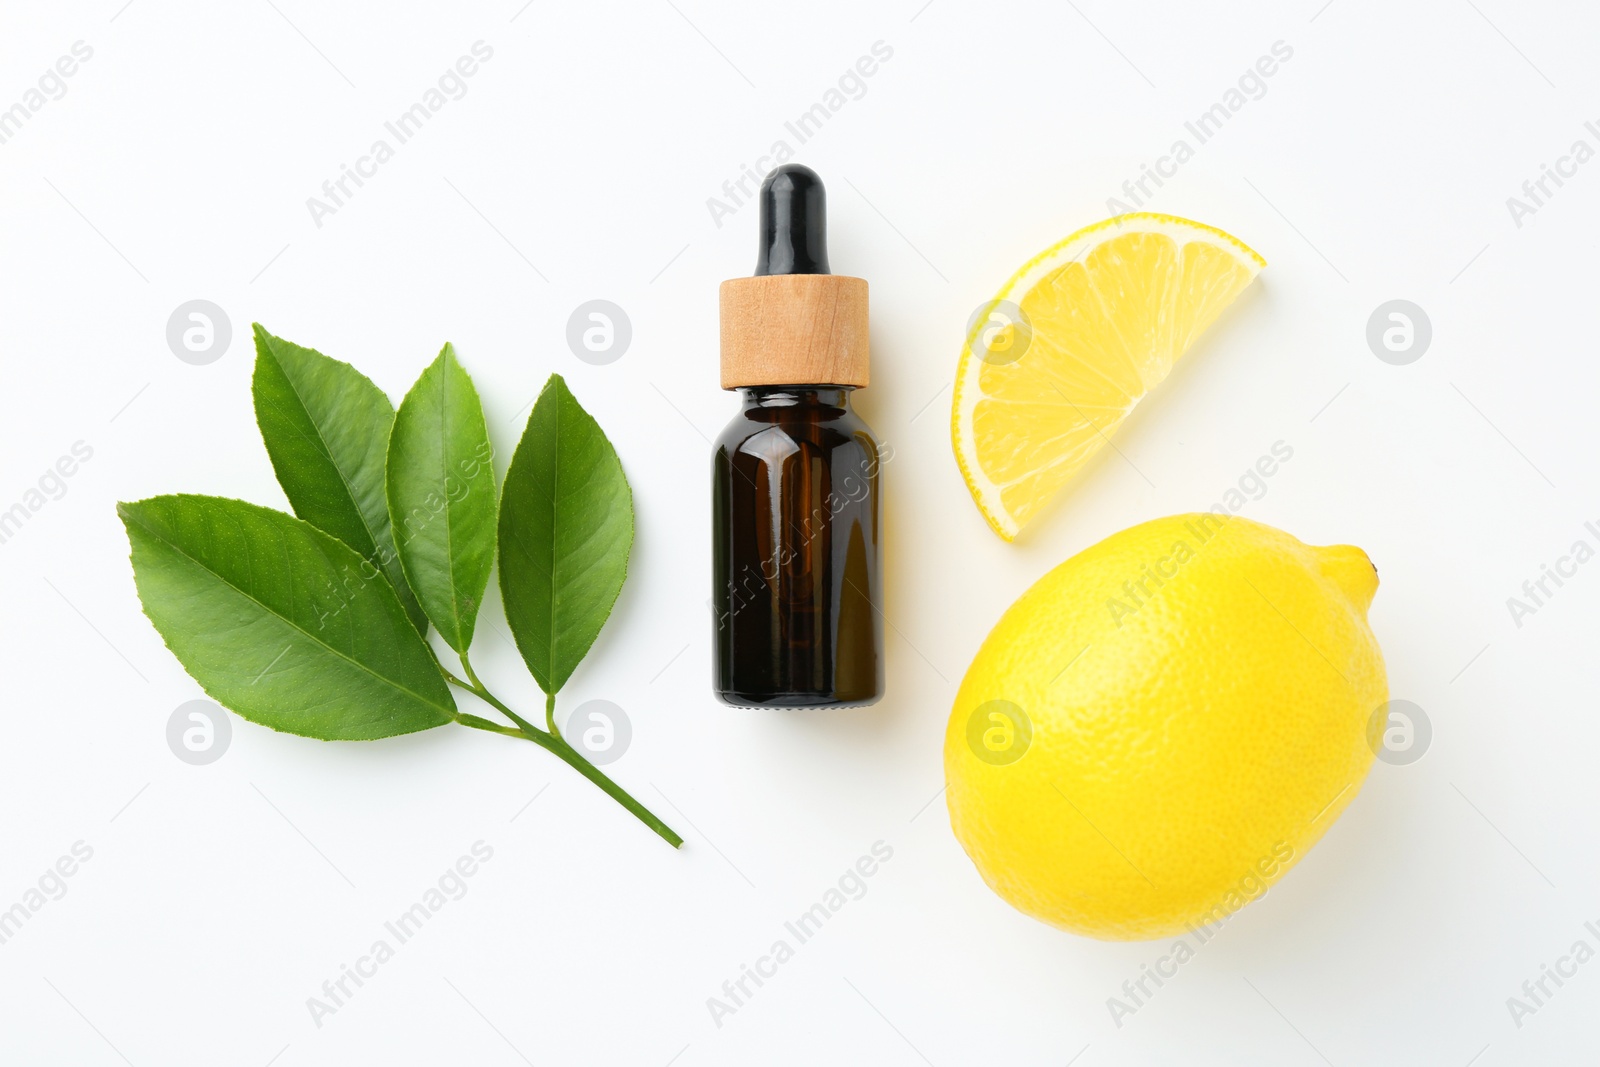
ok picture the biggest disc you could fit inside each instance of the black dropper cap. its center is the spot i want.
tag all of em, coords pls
(794, 223)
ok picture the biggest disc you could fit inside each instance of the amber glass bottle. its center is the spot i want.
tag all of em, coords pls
(796, 517)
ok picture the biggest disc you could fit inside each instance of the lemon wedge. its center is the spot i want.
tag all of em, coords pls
(1056, 361)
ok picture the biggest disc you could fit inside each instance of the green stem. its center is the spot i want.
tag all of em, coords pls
(574, 759)
(553, 742)
(479, 690)
(550, 714)
(486, 724)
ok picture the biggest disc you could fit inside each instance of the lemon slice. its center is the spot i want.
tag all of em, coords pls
(1060, 356)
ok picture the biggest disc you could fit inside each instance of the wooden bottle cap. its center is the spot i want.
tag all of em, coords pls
(794, 329)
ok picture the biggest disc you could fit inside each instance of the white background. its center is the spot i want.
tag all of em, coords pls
(578, 166)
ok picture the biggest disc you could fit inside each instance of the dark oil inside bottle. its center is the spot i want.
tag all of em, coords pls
(796, 557)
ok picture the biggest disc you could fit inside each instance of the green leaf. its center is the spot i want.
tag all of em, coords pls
(566, 525)
(326, 427)
(284, 624)
(442, 498)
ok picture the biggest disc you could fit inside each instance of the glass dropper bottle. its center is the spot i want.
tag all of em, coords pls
(796, 518)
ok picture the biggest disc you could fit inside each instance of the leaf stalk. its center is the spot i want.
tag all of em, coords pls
(554, 743)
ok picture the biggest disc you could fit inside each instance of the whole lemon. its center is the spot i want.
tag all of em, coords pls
(1165, 723)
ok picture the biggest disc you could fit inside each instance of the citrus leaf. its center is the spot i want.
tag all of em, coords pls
(442, 497)
(566, 525)
(281, 622)
(326, 427)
